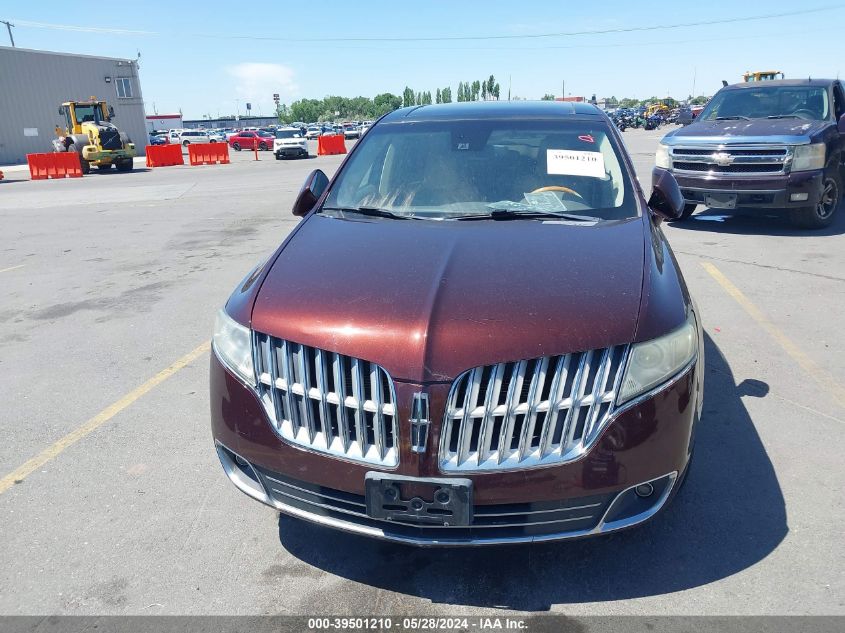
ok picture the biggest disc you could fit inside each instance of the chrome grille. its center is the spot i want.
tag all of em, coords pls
(326, 401)
(740, 160)
(531, 412)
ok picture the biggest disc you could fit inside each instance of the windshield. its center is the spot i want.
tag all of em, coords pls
(443, 169)
(287, 134)
(805, 102)
(87, 113)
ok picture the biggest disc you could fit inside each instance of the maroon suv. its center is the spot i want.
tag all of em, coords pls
(477, 334)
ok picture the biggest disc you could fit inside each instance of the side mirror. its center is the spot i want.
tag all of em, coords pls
(311, 191)
(842, 124)
(666, 199)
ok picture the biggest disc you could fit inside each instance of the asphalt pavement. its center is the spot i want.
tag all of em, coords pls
(108, 289)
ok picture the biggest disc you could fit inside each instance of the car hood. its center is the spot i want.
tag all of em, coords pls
(428, 300)
(756, 130)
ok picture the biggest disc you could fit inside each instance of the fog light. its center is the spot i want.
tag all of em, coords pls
(644, 490)
(799, 197)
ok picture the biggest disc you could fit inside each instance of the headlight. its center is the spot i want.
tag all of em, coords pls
(661, 158)
(807, 157)
(233, 344)
(654, 362)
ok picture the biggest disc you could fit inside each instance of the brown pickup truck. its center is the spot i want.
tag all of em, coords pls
(772, 145)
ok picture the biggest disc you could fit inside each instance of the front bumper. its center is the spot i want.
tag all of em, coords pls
(649, 442)
(766, 192)
(291, 150)
(92, 154)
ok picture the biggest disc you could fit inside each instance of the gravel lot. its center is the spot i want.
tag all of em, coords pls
(108, 280)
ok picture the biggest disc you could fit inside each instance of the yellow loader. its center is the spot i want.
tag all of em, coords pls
(89, 131)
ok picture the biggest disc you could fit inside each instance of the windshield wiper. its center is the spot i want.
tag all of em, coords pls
(370, 211)
(783, 116)
(732, 118)
(511, 214)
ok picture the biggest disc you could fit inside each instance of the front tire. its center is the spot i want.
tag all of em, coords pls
(185, 143)
(125, 165)
(821, 215)
(236, 147)
(262, 146)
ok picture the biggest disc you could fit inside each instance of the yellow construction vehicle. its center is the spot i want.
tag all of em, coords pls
(763, 75)
(88, 131)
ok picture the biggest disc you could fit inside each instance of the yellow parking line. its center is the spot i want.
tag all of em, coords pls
(17, 475)
(822, 377)
(5, 270)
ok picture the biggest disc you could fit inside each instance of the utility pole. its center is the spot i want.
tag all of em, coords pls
(694, 77)
(563, 88)
(9, 26)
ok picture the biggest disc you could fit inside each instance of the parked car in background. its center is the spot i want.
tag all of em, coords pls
(158, 139)
(251, 139)
(775, 145)
(217, 136)
(289, 143)
(186, 137)
(313, 132)
(351, 130)
(387, 373)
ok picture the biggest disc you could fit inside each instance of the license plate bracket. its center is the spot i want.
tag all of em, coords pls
(720, 200)
(420, 501)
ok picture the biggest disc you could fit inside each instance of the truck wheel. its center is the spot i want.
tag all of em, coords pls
(85, 166)
(104, 166)
(125, 165)
(822, 214)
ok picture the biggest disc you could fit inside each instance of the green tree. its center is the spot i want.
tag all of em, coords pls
(547, 97)
(700, 100)
(460, 91)
(384, 103)
(476, 90)
(438, 97)
(447, 95)
(407, 97)
(484, 91)
(496, 90)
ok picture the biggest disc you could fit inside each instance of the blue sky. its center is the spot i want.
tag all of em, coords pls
(216, 56)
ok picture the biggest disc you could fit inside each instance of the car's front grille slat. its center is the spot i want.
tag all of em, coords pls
(554, 408)
(328, 402)
(727, 159)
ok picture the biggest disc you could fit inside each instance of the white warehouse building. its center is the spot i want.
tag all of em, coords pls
(34, 84)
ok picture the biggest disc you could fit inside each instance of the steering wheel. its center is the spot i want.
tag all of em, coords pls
(558, 188)
(809, 114)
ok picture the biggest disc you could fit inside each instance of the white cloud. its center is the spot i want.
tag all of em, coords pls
(258, 81)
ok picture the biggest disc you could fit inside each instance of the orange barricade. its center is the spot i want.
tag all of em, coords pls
(330, 145)
(164, 155)
(54, 165)
(208, 153)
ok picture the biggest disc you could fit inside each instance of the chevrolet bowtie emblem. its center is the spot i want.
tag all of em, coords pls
(420, 421)
(722, 159)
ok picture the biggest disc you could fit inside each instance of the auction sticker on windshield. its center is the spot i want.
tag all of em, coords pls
(566, 162)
